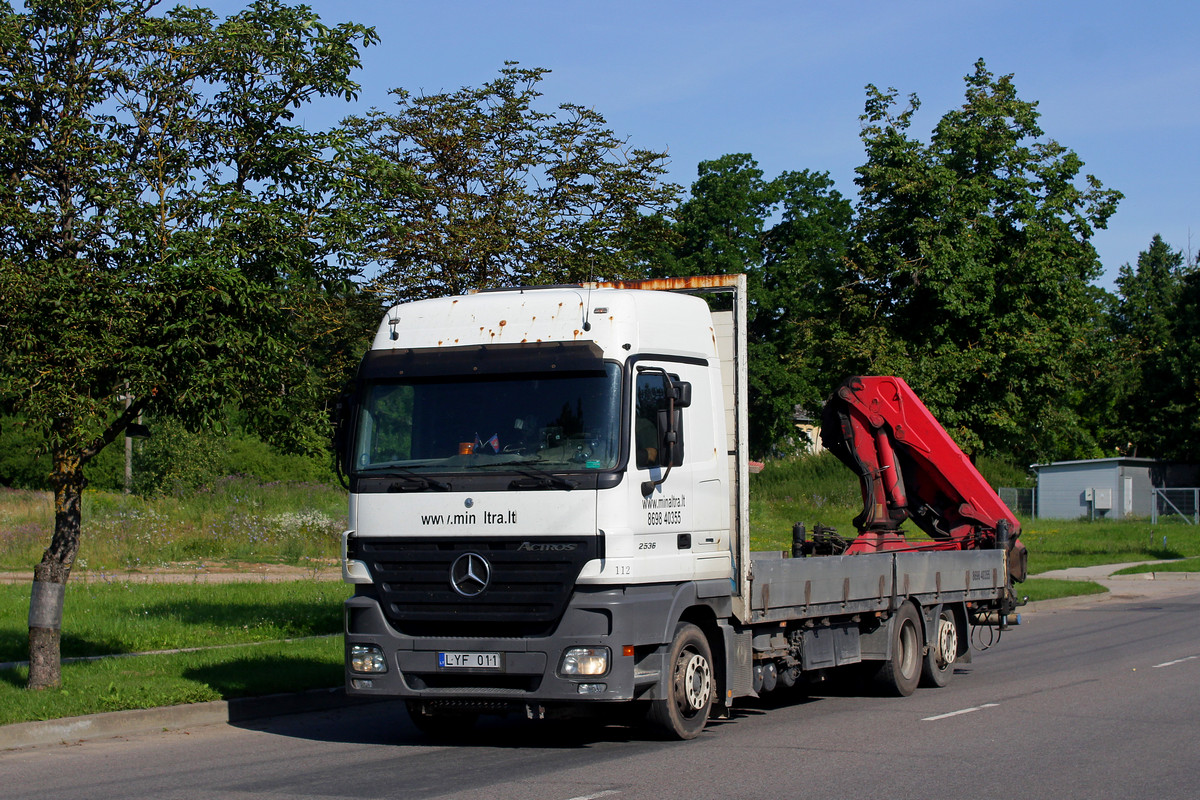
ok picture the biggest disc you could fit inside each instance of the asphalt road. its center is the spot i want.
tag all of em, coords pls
(1094, 701)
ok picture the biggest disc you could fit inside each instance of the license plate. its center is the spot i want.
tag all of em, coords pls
(468, 660)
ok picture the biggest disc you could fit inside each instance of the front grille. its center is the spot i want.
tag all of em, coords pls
(531, 582)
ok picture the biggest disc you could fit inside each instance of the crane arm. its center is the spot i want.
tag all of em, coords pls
(910, 468)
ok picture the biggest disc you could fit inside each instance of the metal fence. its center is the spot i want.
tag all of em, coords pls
(1176, 503)
(1022, 502)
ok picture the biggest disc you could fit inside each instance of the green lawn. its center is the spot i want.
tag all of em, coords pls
(117, 684)
(224, 621)
(1182, 565)
(130, 617)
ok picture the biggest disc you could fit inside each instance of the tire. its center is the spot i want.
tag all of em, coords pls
(938, 665)
(684, 712)
(901, 673)
(439, 725)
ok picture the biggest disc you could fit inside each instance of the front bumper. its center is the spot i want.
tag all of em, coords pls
(629, 621)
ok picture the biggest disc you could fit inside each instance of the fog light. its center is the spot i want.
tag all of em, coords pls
(367, 658)
(362, 683)
(593, 688)
(585, 661)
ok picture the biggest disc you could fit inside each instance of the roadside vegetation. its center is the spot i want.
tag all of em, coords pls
(200, 641)
(232, 520)
(1182, 565)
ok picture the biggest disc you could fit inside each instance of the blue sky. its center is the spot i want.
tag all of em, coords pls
(1117, 82)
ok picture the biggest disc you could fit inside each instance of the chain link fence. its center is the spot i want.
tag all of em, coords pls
(1176, 504)
(1022, 502)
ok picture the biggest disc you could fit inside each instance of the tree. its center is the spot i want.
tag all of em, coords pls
(1146, 323)
(1179, 435)
(166, 226)
(507, 193)
(975, 248)
(790, 235)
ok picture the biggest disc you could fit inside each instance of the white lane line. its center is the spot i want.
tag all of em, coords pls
(960, 712)
(1176, 661)
(597, 795)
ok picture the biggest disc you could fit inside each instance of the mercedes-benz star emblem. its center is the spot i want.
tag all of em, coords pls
(470, 574)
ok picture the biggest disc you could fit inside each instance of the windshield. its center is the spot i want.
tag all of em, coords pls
(451, 424)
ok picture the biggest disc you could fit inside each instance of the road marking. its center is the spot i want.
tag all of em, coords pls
(605, 793)
(959, 713)
(1176, 661)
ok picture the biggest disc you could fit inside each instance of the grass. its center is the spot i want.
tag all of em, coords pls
(127, 617)
(118, 684)
(1052, 588)
(1183, 565)
(238, 627)
(1058, 544)
(238, 519)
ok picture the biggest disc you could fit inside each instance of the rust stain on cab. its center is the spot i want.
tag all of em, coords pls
(667, 284)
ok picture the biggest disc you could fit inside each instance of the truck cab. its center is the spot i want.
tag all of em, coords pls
(541, 485)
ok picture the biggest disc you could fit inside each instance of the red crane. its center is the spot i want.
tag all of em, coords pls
(910, 468)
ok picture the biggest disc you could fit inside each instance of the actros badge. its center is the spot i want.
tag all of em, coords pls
(470, 574)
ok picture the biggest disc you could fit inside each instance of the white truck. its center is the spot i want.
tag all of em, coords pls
(549, 515)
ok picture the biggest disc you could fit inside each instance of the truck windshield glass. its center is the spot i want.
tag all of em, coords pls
(449, 424)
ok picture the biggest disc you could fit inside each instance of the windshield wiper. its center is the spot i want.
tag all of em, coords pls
(540, 479)
(409, 481)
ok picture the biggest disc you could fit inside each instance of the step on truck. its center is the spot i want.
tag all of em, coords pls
(549, 516)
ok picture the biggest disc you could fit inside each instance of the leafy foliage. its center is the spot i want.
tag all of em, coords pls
(1152, 375)
(723, 228)
(166, 222)
(975, 251)
(505, 193)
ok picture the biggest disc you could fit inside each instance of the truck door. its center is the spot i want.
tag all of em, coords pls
(687, 509)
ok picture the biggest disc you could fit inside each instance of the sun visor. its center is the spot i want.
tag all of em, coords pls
(492, 359)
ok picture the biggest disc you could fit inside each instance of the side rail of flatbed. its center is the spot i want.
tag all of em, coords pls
(790, 589)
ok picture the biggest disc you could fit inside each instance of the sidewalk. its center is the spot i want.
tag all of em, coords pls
(1104, 572)
(170, 718)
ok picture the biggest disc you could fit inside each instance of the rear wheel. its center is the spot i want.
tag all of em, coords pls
(683, 713)
(938, 665)
(901, 673)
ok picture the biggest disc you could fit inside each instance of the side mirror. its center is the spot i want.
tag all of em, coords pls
(683, 393)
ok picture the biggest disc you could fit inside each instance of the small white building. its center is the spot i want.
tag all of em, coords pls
(1102, 488)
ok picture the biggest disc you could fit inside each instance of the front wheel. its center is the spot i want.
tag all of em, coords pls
(684, 712)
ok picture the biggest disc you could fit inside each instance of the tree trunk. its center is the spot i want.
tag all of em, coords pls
(50, 576)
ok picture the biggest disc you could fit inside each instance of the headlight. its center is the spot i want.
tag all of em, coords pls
(367, 658)
(584, 661)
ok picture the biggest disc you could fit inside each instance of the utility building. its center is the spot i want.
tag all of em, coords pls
(1103, 488)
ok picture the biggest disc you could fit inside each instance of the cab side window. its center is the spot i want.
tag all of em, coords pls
(649, 400)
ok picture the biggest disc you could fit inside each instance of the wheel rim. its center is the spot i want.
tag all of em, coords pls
(696, 677)
(947, 642)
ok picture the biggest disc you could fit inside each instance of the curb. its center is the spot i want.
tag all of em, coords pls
(171, 718)
(1156, 576)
